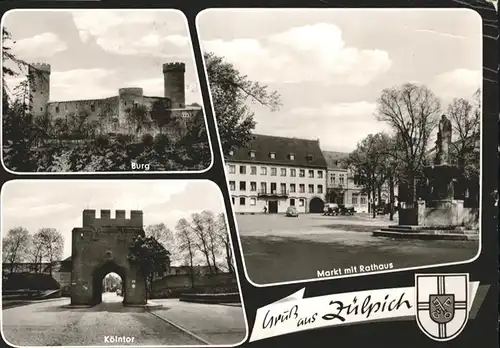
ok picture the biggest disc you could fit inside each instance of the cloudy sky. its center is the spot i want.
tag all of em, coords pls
(34, 204)
(94, 53)
(331, 65)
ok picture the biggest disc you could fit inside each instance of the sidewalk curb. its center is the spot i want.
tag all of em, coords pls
(177, 326)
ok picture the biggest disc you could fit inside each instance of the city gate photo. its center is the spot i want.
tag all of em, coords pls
(101, 246)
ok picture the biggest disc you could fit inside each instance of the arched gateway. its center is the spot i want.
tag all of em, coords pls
(101, 246)
(316, 205)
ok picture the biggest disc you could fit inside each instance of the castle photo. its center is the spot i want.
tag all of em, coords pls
(113, 114)
(83, 96)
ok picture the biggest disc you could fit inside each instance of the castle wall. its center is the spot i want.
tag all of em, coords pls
(101, 246)
(111, 113)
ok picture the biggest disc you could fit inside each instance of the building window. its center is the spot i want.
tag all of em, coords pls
(253, 186)
(242, 200)
(253, 170)
(292, 188)
(283, 188)
(301, 202)
(341, 180)
(354, 200)
(263, 170)
(320, 188)
(291, 156)
(310, 158)
(263, 187)
(320, 174)
(311, 188)
(57, 109)
(311, 173)
(232, 169)
(243, 169)
(302, 173)
(232, 185)
(332, 179)
(252, 154)
(233, 200)
(41, 109)
(292, 202)
(274, 171)
(293, 172)
(253, 201)
(283, 171)
(243, 185)
(272, 155)
(92, 108)
(302, 188)
(363, 200)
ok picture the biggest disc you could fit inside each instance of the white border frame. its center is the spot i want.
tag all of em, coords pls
(153, 181)
(110, 172)
(200, 41)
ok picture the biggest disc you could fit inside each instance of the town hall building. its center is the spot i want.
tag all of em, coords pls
(273, 173)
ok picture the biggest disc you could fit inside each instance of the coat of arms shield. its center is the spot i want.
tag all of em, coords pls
(442, 304)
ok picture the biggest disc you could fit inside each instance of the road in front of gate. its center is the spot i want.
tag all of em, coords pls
(48, 323)
(279, 249)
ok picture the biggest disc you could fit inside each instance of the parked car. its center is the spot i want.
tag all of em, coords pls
(331, 209)
(346, 209)
(292, 212)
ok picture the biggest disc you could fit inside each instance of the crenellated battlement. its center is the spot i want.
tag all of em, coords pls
(135, 91)
(40, 67)
(175, 66)
(120, 220)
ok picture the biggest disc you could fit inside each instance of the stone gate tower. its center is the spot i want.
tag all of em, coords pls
(39, 87)
(173, 74)
(101, 246)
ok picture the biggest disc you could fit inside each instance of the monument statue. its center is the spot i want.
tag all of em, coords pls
(443, 141)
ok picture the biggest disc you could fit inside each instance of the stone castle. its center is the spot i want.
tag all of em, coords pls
(112, 108)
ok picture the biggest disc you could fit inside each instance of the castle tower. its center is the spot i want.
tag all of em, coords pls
(39, 81)
(173, 74)
(128, 97)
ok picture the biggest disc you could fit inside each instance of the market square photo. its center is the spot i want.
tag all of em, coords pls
(352, 137)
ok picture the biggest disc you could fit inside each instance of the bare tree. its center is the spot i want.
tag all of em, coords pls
(52, 245)
(367, 161)
(186, 244)
(36, 252)
(15, 246)
(223, 237)
(202, 238)
(412, 111)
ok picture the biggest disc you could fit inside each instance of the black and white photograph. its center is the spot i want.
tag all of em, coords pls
(101, 263)
(351, 137)
(101, 91)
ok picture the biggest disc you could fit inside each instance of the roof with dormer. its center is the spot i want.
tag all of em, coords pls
(287, 151)
(335, 159)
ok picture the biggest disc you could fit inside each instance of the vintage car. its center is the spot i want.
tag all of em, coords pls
(331, 209)
(346, 209)
(292, 212)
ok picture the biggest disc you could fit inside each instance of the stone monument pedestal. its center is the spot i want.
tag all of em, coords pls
(441, 216)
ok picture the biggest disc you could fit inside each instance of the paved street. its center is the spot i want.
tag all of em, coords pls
(278, 249)
(49, 324)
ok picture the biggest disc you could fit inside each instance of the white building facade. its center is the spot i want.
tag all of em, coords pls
(274, 173)
(341, 186)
